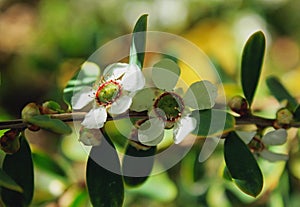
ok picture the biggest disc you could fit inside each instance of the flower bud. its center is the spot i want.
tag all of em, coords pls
(29, 111)
(283, 118)
(51, 107)
(239, 105)
(9, 142)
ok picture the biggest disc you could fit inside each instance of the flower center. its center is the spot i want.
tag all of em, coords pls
(169, 106)
(108, 92)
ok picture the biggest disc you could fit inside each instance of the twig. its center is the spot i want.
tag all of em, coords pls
(67, 117)
(79, 116)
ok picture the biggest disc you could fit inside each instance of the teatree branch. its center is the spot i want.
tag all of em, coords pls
(79, 116)
(67, 117)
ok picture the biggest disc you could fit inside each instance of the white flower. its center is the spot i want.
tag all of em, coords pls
(113, 94)
(272, 138)
(171, 109)
(90, 137)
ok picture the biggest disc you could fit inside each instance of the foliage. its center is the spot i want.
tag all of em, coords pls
(118, 143)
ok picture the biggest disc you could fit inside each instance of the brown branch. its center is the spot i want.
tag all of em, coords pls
(68, 117)
(79, 116)
(259, 121)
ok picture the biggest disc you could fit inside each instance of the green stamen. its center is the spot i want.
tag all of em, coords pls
(171, 105)
(108, 92)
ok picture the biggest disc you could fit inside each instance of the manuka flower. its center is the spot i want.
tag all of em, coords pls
(169, 108)
(260, 146)
(113, 93)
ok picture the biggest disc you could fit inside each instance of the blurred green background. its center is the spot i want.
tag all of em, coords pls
(43, 43)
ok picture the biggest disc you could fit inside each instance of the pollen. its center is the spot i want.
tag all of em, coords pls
(108, 92)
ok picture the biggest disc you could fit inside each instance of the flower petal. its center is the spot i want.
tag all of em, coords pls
(182, 128)
(133, 79)
(208, 148)
(90, 137)
(95, 118)
(272, 156)
(90, 69)
(165, 74)
(115, 71)
(120, 105)
(201, 95)
(151, 132)
(82, 98)
(246, 136)
(143, 100)
(276, 137)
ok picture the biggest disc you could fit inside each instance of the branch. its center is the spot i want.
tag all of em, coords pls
(79, 116)
(68, 117)
(259, 121)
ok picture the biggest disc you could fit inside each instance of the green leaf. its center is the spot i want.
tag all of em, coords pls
(46, 163)
(138, 163)
(86, 76)
(252, 59)
(199, 168)
(52, 105)
(7, 182)
(80, 199)
(280, 92)
(105, 187)
(138, 44)
(242, 165)
(226, 174)
(297, 113)
(213, 122)
(19, 167)
(54, 125)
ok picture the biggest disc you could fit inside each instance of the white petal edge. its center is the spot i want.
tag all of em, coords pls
(272, 156)
(165, 74)
(120, 105)
(208, 148)
(143, 100)
(276, 137)
(95, 118)
(133, 79)
(246, 136)
(181, 129)
(82, 98)
(151, 132)
(115, 71)
(91, 137)
(201, 95)
(90, 69)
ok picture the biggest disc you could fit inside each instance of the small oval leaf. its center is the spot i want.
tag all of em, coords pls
(19, 167)
(54, 125)
(252, 59)
(7, 182)
(280, 92)
(242, 165)
(213, 122)
(105, 187)
(137, 165)
(138, 44)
